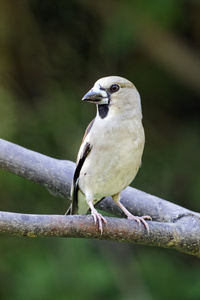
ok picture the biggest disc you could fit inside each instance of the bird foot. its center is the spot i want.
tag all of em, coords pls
(140, 220)
(98, 218)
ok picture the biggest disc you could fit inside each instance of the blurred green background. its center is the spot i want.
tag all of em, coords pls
(51, 53)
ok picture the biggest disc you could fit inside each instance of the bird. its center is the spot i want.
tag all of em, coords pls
(111, 150)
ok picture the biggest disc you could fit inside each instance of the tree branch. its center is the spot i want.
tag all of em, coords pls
(184, 235)
(175, 226)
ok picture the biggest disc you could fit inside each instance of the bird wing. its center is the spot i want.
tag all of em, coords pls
(80, 161)
(83, 140)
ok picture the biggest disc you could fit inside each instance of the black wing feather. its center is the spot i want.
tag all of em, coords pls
(74, 206)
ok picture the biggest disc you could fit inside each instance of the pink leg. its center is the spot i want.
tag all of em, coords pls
(116, 199)
(97, 216)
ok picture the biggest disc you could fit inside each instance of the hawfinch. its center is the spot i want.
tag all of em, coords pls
(111, 150)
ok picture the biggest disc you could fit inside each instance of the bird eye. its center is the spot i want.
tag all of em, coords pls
(114, 88)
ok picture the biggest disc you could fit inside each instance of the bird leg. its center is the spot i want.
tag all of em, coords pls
(116, 199)
(98, 218)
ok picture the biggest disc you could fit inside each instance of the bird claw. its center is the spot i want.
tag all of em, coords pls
(98, 218)
(140, 220)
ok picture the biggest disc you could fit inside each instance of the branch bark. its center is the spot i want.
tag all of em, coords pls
(172, 227)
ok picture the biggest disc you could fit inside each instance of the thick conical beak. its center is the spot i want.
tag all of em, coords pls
(97, 95)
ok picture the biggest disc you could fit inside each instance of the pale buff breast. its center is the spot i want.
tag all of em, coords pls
(117, 162)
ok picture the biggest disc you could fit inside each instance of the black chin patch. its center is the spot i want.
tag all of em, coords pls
(103, 110)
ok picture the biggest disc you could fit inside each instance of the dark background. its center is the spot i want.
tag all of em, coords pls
(51, 53)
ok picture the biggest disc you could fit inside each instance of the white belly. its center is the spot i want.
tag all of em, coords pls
(111, 165)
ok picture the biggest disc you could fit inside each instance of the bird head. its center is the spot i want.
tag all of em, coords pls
(115, 94)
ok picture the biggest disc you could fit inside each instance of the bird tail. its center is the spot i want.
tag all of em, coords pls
(69, 211)
(73, 208)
